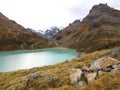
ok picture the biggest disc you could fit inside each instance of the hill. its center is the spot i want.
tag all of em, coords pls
(15, 37)
(100, 29)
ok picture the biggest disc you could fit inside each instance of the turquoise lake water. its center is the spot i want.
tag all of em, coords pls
(15, 60)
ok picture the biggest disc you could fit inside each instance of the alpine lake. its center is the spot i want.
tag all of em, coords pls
(25, 59)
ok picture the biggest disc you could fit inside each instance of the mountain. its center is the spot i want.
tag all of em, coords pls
(48, 33)
(51, 32)
(15, 37)
(100, 29)
(100, 69)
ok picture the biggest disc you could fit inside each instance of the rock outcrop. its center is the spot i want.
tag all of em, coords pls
(96, 70)
(75, 75)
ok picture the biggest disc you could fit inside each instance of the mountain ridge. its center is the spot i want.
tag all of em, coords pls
(100, 29)
(15, 37)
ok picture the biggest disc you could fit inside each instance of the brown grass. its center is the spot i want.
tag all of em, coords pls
(15, 37)
(61, 71)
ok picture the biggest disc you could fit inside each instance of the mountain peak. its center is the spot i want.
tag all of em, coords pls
(101, 8)
(102, 11)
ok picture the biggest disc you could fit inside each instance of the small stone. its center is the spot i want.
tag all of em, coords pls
(107, 69)
(52, 81)
(14, 88)
(81, 83)
(115, 66)
(33, 76)
(33, 70)
(118, 65)
(114, 71)
(100, 73)
(115, 51)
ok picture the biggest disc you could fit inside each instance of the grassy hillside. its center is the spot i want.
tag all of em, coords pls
(100, 29)
(13, 36)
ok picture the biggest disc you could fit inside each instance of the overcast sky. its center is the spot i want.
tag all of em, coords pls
(42, 14)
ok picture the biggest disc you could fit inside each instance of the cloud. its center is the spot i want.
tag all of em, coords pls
(41, 14)
(82, 9)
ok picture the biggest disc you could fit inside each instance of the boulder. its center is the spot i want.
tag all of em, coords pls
(85, 68)
(91, 76)
(103, 63)
(33, 76)
(75, 75)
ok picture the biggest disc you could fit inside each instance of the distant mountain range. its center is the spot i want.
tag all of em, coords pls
(100, 29)
(48, 33)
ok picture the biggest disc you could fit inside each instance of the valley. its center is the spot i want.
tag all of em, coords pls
(96, 67)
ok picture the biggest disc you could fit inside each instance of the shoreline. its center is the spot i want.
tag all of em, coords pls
(36, 50)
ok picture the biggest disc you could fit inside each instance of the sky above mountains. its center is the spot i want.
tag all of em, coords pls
(42, 14)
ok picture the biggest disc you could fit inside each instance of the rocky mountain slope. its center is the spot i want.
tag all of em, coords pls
(13, 36)
(100, 29)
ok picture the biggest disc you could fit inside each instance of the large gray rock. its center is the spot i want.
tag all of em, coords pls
(75, 75)
(103, 63)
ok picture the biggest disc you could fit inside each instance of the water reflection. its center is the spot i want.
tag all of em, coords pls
(28, 59)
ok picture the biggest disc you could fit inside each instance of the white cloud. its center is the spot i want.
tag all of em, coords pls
(83, 8)
(41, 14)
